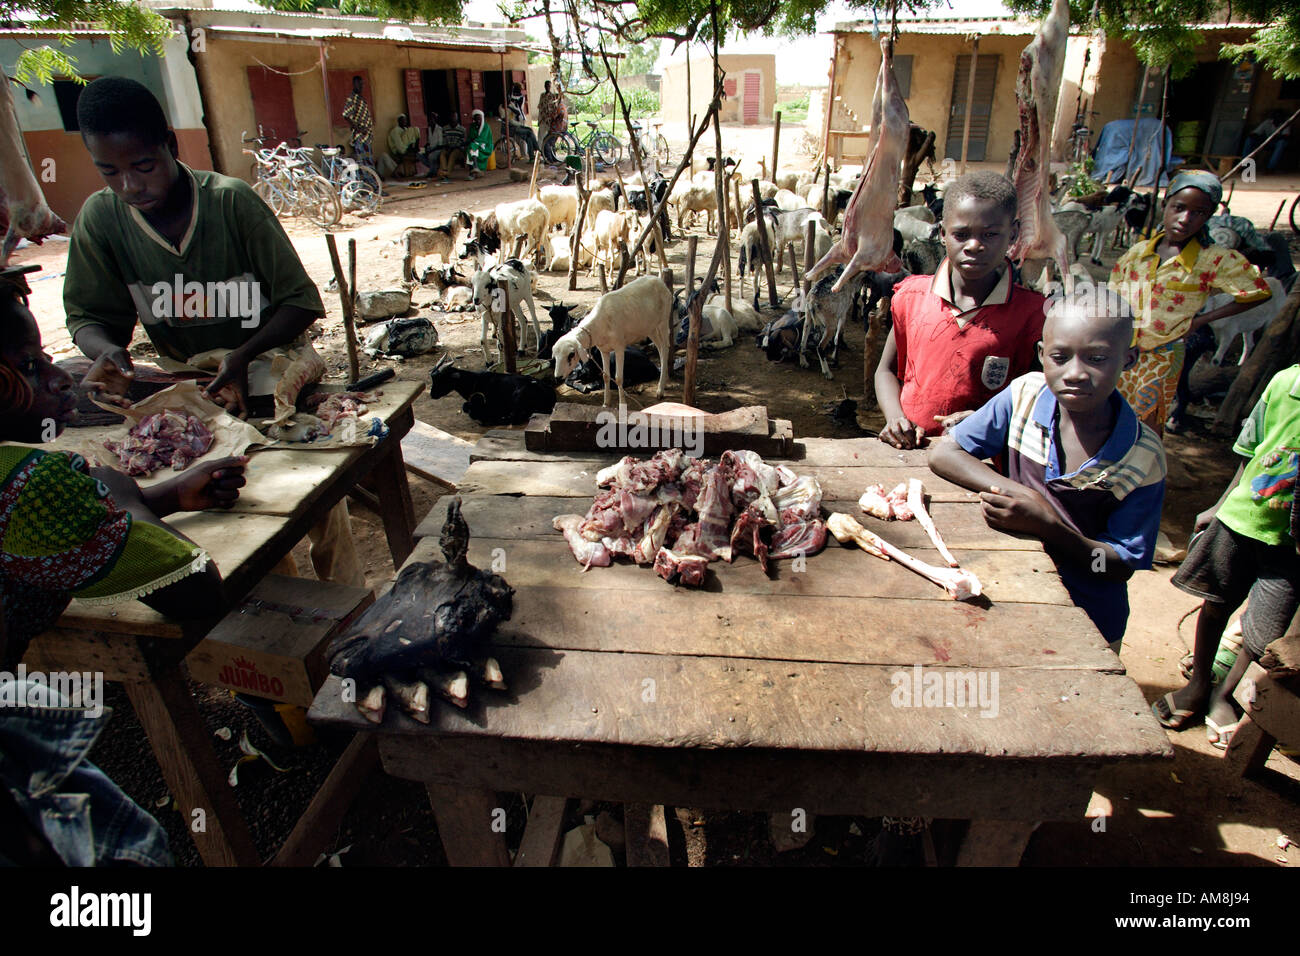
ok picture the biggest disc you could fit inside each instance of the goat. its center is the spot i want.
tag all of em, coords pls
(562, 321)
(640, 310)
(492, 398)
(601, 200)
(528, 218)
(786, 200)
(821, 307)
(642, 199)
(912, 228)
(441, 240)
(635, 368)
(560, 253)
(487, 234)
(441, 278)
(745, 315)
(696, 198)
(516, 275)
(788, 227)
(561, 203)
(921, 257)
(609, 230)
(1245, 324)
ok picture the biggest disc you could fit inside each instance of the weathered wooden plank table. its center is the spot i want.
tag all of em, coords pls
(287, 493)
(759, 693)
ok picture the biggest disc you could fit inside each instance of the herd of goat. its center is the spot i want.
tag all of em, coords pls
(643, 309)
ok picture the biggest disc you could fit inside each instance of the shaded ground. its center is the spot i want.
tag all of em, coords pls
(1185, 812)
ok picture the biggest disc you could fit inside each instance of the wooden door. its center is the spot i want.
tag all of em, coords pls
(469, 93)
(753, 95)
(272, 96)
(1228, 123)
(340, 85)
(986, 74)
(415, 112)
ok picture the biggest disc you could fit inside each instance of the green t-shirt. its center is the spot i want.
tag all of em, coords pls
(234, 267)
(1260, 506)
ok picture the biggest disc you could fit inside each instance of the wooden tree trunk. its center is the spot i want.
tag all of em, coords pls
(1277, 348)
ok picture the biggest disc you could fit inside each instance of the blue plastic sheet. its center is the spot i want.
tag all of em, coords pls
(1112, 150)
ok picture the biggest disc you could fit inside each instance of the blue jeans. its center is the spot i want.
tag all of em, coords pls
(1275, 157)
(86, 818)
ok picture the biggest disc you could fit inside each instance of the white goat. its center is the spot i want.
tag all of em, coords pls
(562, 204)
(743, 314)
(640, 310)
(787, 200)
(526, 217)
(1245, 324)
(561, 253)
(601, 200)
(697, 198)
(610, 229)
(490, 299)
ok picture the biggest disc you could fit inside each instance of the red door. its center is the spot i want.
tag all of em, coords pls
(341, 88)
(415, 102)
(272, 96)
(753, 91)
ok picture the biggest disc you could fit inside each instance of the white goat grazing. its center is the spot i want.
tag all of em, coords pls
(697, 198)
(640, 310)
(526, 217)
(610, 229)
(562, 204)
(489, 296)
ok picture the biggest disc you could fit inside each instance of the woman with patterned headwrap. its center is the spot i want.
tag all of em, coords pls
(1166, 280)
(67, 530)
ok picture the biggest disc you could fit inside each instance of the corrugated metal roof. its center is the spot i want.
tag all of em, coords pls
(993, 26)
(321, 33)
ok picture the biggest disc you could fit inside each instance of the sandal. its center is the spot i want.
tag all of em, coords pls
(1220, 737)
(1171, 717)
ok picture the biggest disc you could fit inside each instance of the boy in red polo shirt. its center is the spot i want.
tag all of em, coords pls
(962, 334)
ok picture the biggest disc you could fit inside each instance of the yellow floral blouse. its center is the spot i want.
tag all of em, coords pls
(1165, 295)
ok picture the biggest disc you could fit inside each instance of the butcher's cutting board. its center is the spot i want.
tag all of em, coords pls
(572, 427)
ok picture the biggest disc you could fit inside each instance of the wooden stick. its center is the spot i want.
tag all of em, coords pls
(624, 260)
(509, 342)
(760, 218)
(1137, 114)
(575, 241)
(789, 248)
(776, 141)
(1233, 171)
(600, 277)
(970, 99)
(345, 302)
(532, 183)
(803, 288)
(693, 333)
(826, 191)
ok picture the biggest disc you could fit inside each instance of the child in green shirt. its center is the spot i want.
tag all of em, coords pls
(1248, 550)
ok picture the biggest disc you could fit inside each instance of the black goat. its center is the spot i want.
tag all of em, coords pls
(640, 199)
(590, 376)
(492, 398)
(562, 321)
(929, 195)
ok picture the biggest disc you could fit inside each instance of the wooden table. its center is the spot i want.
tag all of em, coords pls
(768, 694)
(287, 493)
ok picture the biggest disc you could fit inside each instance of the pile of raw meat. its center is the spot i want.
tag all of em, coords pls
(159, 440)
(680, 513)
(331, 408)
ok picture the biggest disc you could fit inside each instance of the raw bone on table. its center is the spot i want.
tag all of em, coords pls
(297, 369)
(867, 240)
(961, 585)
(1037, 86)
(916, 501)
(23, 212)
(887, 507)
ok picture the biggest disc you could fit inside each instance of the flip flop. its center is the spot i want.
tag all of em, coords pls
(1171, 718)
(1220, 737)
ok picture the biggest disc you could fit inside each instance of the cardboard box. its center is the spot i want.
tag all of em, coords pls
(273, 644)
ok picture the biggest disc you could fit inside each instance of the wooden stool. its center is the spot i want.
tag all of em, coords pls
(1272, 713)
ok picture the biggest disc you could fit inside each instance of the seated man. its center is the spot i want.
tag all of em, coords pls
(480, 144)
(453, 147)
(159, 220)
(432, 151)
(403, 144)
(519, 122)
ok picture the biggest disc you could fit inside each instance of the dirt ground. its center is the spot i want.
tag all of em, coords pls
(1186, 812)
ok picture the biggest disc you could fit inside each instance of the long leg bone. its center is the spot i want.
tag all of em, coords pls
(916, 501)
(961, 585)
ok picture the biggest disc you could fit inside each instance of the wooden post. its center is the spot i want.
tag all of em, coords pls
(726, 263)
(776, 142)
(600, 277)
(830, 105)
(766, 248)
(509, 343)
(575, 241)
(970, 99)
(794, 274)
(1164, 154)
(693, 333)
(623, 265)
(740, 207)
(532, 183)
(826, 190)
(505, 123)
(805, 284)
(1137, 114)
(345, 302)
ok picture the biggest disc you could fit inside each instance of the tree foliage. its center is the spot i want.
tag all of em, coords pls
(431, 11)
(129, 26)
(1163, 35)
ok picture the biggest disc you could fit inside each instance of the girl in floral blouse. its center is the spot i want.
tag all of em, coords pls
(1166, 280)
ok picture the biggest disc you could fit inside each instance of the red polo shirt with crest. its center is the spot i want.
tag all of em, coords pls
(953, 361)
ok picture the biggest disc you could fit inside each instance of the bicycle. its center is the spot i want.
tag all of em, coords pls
(290, 186)
(607, 149)
(359, 186)
(653, 144)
